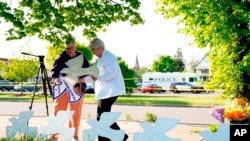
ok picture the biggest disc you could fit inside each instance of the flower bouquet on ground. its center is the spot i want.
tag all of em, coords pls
(238, 111)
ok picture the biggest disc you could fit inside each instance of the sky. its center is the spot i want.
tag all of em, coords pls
(157, 36)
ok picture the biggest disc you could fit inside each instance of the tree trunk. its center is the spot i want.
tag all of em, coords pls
(242, 49)
(244, 46)
(21, 89)
(246, 91)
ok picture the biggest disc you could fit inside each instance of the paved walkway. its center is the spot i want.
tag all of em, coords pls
(192, 119)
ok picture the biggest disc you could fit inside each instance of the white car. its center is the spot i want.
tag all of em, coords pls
(178, 87)
(27, 86)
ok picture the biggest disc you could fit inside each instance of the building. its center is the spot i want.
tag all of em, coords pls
(5, 60)
(136, 66)
(202, 69)
(136, 69)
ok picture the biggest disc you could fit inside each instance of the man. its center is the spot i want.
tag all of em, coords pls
(109, 84)
(64, 99)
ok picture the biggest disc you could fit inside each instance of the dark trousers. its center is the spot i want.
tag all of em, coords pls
(105, 105)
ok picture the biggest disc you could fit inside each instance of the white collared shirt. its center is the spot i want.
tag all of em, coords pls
(110, 81)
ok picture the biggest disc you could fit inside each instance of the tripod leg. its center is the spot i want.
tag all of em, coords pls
(44, 79)
(48, 82)
(33, 95)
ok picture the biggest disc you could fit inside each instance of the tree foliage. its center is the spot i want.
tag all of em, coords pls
(84, 49)
(54, 51)
(2, 64)
(223, 26)
(128, 75)
(142, 70)
(179, 61)
(193, 62)
(164, 63)
(54, 20)
(20, 70)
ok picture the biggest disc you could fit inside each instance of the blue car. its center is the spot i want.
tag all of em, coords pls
(27, 86)
(6, 85)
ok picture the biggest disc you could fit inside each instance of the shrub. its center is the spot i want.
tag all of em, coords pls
(128, 117)
(150, 117)
(213, 128)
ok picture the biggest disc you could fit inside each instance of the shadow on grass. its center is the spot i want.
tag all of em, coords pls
(204, 101)
(151, 100)
(201, 101)
(23, 97)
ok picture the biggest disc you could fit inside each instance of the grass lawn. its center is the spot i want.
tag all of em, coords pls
(166, 100)
(203, 101)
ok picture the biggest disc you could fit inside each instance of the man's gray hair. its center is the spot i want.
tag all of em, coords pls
(96, 43)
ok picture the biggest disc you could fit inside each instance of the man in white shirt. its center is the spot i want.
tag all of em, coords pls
(109, 84)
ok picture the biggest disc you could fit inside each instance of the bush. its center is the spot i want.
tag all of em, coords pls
(213, 128)
(195, 131)
(150, 117)
(128, 116)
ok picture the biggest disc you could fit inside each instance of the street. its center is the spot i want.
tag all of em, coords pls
(189, 115)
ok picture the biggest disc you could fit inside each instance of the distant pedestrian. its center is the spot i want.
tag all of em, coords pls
(109, 85)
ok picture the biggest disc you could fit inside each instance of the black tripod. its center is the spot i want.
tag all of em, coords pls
(45, 80)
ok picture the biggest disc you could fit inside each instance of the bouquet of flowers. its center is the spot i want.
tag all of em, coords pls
(237, 110)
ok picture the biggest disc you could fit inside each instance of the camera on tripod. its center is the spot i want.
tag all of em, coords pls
(45, 80)
(41, 57)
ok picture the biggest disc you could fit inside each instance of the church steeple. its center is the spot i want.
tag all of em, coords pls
(136, 66)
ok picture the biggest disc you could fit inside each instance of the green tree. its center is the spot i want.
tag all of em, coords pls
(223, 26)
(1, 68)
(178, 59)
(84, 49)
(20, 70)
(164, 63)
(54, 51)
(193, 62)
(54, 20)
(142, 70)
(128, 75)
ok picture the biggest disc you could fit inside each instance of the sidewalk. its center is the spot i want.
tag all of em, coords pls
(181, 131)
(191, 118)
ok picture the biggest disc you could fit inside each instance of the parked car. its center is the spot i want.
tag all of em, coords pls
(90, 88)
(178, 87)
(151, 88)
(6, 85)
(27, 86)
(137, 88)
